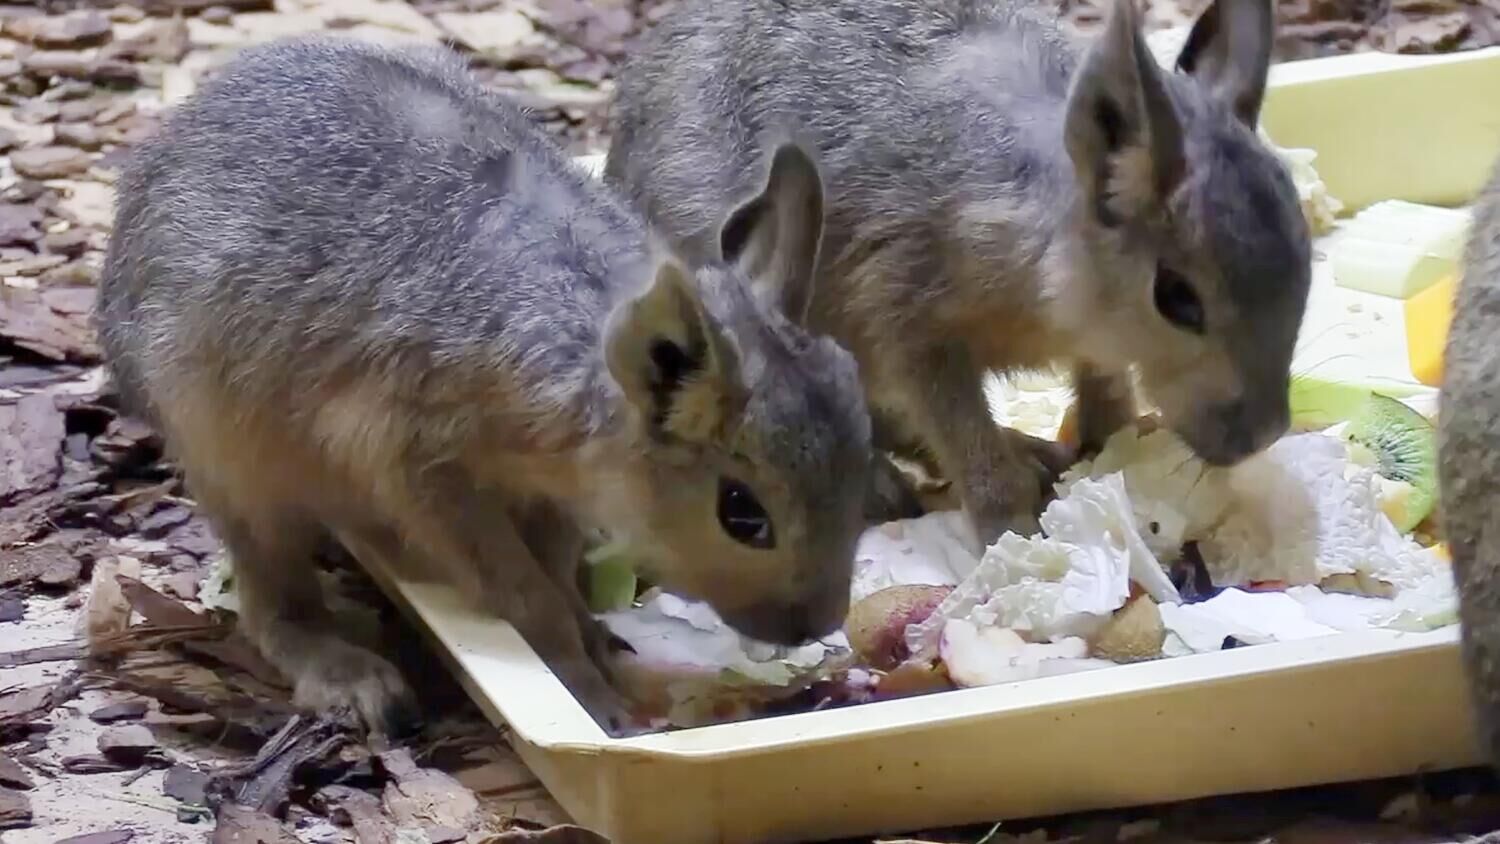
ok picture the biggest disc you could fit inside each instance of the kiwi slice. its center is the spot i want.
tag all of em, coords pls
(1404, 444)
(1319, 402)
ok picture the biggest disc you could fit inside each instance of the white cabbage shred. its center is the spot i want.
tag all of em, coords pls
(1296, 514)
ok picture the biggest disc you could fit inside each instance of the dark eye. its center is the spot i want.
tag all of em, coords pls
(1177, 301)
(742, 517)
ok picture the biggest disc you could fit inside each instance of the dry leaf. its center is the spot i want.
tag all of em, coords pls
(107, 613)
(31, 434)
(186, 784)
(500, 36)
(46, 653)
(94, 763)
(506, 788)
(24, 706)
(361, 811)
(49, 563)
(263, 782)
(76, 29)
(426, 797)
(170, 620)
(15, 809)
(157, 609)
(168, 7)
(53, 162)
(239, 825)
(566, 834)
(388, 14)
(12, 608)
(113, 836)
(20, 704)
(12, 775)
(130, 710)
(50, 322)
(127, 743)
(239, 718)
(237, 653)
(29, 520)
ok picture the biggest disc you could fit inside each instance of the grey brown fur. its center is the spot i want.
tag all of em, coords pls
(1469, 460)
(362, 296)
(999, 199)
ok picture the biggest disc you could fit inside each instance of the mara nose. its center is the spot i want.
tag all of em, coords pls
(1247, 427)
(787, 624)
(1278, 423)
(820, 618)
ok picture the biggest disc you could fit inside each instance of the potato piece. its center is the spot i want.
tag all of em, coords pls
(1134, 633)
(876, 626)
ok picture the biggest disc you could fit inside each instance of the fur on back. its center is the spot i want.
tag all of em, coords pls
(420, 234)
(902, 157)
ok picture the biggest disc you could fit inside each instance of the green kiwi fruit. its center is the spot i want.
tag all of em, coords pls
(1404, 443)
(1319, 403)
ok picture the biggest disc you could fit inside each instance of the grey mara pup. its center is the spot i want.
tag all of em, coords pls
(999, 199)
(1469, 460)
(363, 297)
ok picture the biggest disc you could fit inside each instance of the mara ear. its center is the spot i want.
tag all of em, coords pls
(1120, 128)
(775, 236)
(1229, 50)
(672, 359)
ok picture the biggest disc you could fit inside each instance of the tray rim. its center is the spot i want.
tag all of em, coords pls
(534, 717)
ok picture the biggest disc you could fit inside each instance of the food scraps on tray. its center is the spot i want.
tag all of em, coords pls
(1145, 553)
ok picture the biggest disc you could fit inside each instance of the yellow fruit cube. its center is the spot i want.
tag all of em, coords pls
(1428, 315)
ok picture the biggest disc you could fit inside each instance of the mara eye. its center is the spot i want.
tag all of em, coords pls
(742, 516)
(1177, 301)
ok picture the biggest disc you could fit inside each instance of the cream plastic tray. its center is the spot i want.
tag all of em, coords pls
(1345, 707)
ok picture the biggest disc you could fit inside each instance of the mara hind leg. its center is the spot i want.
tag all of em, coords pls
(284, 612)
